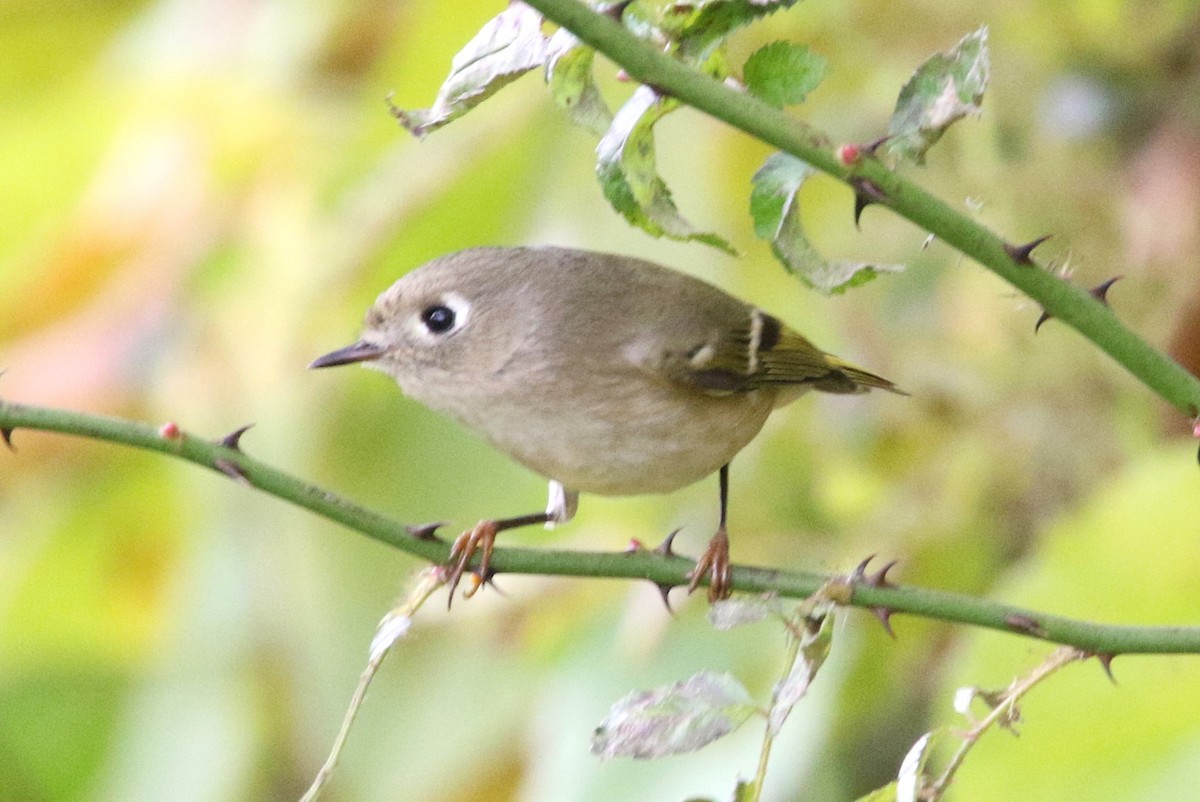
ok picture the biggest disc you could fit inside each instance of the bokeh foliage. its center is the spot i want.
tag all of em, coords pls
(199, 198)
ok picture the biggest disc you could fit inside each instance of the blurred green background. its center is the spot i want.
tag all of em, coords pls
(199, 198)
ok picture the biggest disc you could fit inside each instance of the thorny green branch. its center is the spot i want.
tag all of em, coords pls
(666, 570)
(872, 181)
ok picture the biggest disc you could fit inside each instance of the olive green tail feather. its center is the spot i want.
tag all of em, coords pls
(848, 378)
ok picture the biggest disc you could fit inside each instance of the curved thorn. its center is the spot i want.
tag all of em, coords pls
(1042, 319)
(664, 591)
(425, 531)
(1023, 254)
(6, 434)
(665, 548)
(866, 192)
(233, 439)
(1100, 291)
(490, 581)
(860, 573)
(873, 146)
(1106, 659)
(860, 203)
(884, 616)
(880, 579)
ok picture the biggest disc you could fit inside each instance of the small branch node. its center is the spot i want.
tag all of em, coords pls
(1024, 624)
(232, 470)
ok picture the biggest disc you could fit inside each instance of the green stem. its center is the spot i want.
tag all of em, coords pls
(671, 571)
(754, 792)
(1072, 305)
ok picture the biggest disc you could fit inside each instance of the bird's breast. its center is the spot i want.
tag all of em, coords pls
(625, 435)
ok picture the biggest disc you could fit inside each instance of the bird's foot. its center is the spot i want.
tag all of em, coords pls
(715, 563)
(479, 539)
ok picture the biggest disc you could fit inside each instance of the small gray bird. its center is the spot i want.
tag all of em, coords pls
(605, 374)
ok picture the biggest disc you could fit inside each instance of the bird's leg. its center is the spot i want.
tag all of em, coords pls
(715, 559)
(481, 538)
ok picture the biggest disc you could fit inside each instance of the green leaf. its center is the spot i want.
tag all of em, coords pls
(572, 86)
(943, 90)
(506, 48)
(775, 209)
(783, 73)
(674, 719)
(626, 167)
(885, 794)
(701, 26)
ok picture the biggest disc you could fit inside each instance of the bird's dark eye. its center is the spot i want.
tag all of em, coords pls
(438, 319)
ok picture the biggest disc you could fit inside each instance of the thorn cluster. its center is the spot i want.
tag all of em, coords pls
(879, 579)
(666, 549)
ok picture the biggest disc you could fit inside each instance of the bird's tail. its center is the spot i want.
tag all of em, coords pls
(847, 378)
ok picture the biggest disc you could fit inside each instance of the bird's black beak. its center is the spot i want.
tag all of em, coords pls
(361, 351)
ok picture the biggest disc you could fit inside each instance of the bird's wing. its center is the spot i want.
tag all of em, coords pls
(762, 352)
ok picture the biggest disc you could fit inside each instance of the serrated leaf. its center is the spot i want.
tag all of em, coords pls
(673, 719)
(943, 90)
(814, 648)
(783, 73)
(702, 25)
(775, 209)
(507, 47)
(739, 610)
(626, 167)
(572, 85)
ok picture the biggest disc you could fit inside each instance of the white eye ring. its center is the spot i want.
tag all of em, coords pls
(443, 317)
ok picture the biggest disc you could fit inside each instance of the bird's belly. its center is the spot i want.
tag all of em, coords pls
(656, 448)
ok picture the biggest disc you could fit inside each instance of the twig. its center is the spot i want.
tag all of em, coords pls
(1002, 712)
(1072, 305)
(668, 570)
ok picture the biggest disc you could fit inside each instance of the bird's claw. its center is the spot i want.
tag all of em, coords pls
(714, 563)
(479, 539)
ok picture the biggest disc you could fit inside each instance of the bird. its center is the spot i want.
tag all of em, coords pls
(605, 374)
